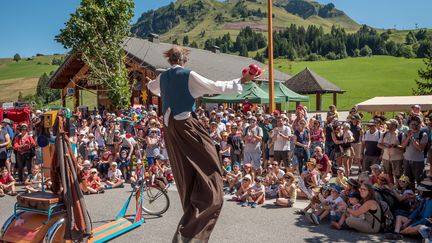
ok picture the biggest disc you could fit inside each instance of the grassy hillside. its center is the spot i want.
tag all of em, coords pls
(205, 21)
(362, 78)
(24, 75)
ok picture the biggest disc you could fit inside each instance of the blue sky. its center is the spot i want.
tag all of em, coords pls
(28, 27)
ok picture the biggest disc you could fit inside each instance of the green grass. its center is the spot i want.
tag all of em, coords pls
(10, 69)
(362, 78)
(88, 99)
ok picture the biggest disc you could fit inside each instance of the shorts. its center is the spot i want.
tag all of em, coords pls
(346, 152)
(254, 158)
(394, 167)
(150, 161)
(357, 150)
(2, 163)
(282, 156)
(335, 217)
(9, 154)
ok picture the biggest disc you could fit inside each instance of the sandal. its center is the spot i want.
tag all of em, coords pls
(299, 212)
(13, 194)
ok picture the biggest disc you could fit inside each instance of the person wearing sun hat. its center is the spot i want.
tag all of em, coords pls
(392, 156)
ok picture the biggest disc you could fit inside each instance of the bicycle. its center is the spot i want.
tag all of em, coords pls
(156, 200)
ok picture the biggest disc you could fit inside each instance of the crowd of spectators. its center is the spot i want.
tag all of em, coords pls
(368, 176)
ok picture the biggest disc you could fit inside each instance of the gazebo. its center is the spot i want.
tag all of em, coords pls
(308, 82)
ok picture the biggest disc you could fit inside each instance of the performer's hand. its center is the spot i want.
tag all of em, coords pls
(247, 78)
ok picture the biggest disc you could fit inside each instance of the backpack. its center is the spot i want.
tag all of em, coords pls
(387, 219)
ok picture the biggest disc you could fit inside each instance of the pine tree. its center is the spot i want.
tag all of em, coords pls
(424, 85)
(185, 40)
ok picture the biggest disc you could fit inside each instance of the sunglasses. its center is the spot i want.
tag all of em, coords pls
(362, 189)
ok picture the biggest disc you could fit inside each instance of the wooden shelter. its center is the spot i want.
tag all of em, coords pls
(145, 59)
(308, 82)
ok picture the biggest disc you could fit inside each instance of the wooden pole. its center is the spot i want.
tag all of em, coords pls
(335, 99)
(270, 55)
(318, 101)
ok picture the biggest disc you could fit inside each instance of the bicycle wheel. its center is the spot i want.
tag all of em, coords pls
(155, 200)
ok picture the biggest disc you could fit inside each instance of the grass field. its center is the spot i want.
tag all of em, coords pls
(362, 78)
(24, 75)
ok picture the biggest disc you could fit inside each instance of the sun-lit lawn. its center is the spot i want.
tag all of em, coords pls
(362, 78)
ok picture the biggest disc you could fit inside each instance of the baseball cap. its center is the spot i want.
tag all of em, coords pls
(393, 122)
(336, 188)
(341, 169)
(404, 178)
(160, 157)
(91, 135)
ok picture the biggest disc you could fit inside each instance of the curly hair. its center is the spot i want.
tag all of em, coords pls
(177, 55)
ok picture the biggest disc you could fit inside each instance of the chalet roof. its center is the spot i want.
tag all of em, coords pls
(215, 66)
(308, 82)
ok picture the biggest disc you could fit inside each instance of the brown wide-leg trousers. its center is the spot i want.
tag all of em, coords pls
(197, 172)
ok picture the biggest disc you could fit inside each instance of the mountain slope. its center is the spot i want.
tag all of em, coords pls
(201, 19)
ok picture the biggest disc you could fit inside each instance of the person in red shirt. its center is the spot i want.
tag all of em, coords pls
(323, 163)
(24, 145)
(94, 185)
(7, 183)
(246, 105)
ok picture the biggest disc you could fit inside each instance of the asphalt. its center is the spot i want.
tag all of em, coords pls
(236, 224)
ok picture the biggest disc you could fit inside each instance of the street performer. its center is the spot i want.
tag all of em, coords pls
(194, 161)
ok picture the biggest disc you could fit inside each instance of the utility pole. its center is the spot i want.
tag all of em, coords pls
(270, 55)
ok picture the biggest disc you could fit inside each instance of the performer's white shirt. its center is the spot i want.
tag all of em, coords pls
(198, 86)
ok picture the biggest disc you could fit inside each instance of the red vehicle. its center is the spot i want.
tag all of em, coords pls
(19, 113)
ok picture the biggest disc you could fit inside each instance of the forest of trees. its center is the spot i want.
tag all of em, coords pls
(296, 42)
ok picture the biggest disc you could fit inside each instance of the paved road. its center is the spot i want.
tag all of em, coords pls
(236, 224)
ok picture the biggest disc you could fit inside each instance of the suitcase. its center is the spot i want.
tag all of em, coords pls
(38, 200)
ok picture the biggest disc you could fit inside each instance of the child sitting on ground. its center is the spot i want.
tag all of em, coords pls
(341, 180)
(94, 185)
(287, 193)
(34, 181)
(7, 183)
(226, 167)
(354, 203)
(256, 194)
(233, 178)
(114, 178)
(332, 203)
(242, 193)
(138, 175)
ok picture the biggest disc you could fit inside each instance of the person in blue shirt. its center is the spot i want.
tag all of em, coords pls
(6, 124)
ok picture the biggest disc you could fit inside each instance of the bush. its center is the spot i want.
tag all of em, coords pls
(366, 51)
(356, 53)
(313, 57)
(406, 51)
(331, 56)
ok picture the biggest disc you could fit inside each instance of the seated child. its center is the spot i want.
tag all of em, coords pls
(34, 181)
(138, 175)
(7, 183)
(287, 193)
(332, 203)
(94, 185)
(243, 191)
(123, 164)
(354, 203)
(114, 179)
(233, 178)
(341, 180)
(156, 172)
(256, 194)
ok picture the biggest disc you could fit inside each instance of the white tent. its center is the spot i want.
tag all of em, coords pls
(395, 103)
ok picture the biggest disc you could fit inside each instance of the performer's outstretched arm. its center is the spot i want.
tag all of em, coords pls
(199, 86)
(154, 86)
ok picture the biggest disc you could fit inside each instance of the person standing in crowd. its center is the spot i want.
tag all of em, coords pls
(329, 144)
(414, 143)
(357, 132)
(317, 135)
(195, 165)
(24, 145)
(302, 144)
(6, 125)
(392, 157)
(5, 141)
(371, 152)
(252, 137)
(266, 126)
(281, 140)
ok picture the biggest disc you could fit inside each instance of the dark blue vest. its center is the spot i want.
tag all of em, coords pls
(174, 85)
